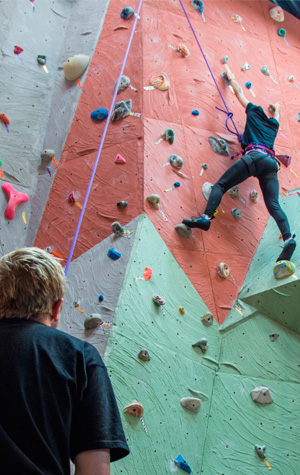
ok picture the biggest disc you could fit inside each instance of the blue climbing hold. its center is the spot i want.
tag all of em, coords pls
(99, 114)
(100, 298)
(176, 184)
(113, 254)
(248, 85)
(198, 5)
(195, 112)
(126, 13)
(181, 463)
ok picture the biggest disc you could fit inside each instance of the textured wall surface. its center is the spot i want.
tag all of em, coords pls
(191, 87)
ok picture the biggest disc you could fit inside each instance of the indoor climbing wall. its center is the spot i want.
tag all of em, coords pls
(187, 379)
(192, 88)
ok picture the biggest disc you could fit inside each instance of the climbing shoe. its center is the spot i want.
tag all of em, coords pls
(287, 251)
(201, 223)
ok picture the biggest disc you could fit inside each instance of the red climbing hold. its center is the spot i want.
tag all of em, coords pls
(120, 159)
(4, 118)
(18, 50)
(14, 199)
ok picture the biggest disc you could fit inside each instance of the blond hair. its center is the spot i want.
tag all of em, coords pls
(31, 281)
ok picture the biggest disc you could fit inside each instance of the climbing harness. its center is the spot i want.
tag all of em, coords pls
(229, 114)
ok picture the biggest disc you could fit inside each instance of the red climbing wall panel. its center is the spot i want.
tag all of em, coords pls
(163, 23)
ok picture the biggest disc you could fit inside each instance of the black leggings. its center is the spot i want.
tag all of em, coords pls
(265, 168)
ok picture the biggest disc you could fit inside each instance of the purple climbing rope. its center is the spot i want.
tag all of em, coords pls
(101, 143)
(229, 114)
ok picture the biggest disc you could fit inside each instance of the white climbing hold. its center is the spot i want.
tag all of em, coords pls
(75, 66)
(193, 404)
(262, 395)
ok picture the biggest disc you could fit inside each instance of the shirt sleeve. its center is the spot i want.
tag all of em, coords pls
(249, 107)
(96, 420)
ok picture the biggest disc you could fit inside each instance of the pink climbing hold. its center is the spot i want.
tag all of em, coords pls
(120, 159)
(14, 199)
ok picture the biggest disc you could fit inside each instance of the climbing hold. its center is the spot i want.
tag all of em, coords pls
(124, 83)
(183, 231)
(223, 270)
(127, 13)
(248, 85)
(206, 189)
(144, 355)
(286, 160)
(254, 196)
(122, 204)
(260, 450)
(121, 110)
(237, 213)
(154, 200)
(193, 404)
(225, 60)
(4, 118)
(182, 49)
(113, 254)
(135, 409)
(158, 300)
(204, 167)
(273, 336)
(298, 116)
(265, 70)
(93, 321)
(41, 59)
(195, 112)
(160, 81)
(281, 32)
(101, 298)
(207, 319)
(120, 159)
(245, 67)
(117, 228)
(99, 114)
(167, 135)
(262, 395)
(182, 464)
(14, 199)
(199, 6)
(47, 155)
(234, 191)
(225, 77)
(283, 269)
(176, 161)
(75, 66)
(277, 14)
(181, 310)
(238, 19)
(291, 78)
(71, 197)
(218, 145)
(18, 50)
(202, 344)
(175, 185)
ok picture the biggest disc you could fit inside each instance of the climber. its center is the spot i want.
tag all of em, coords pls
(258, 159)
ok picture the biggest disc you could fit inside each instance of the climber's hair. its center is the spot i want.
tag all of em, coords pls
(31, 281)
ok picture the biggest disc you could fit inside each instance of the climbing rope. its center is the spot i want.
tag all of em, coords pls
(101, 143)
(229, 114)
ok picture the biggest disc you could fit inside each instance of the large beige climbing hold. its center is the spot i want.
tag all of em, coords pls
(223, 270)
(135, 409)
(154, 200)
(277, 14)
(75, 66)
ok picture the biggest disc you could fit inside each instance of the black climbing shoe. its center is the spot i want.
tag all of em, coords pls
(201, 223)
(287, 251)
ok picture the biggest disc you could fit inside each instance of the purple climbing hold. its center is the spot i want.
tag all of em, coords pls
(195, 112)
(182, 464)
(113, 254)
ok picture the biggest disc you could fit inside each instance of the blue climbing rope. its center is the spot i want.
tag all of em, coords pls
(227, 111)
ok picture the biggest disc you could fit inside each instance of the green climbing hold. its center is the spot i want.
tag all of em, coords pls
(281, 32)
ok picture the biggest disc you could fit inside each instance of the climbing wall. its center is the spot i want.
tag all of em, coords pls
(191, 88)
(249, 304)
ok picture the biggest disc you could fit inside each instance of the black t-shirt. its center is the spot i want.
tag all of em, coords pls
(56, 400)
(259, 128)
